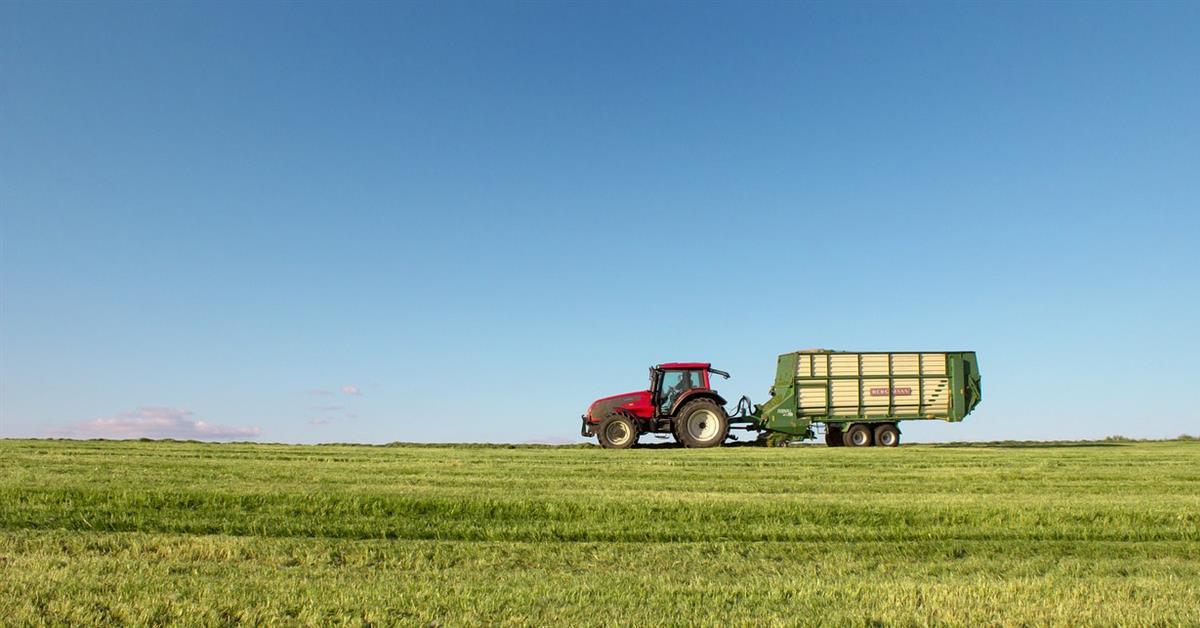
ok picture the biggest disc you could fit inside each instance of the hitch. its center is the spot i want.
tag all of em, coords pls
(744, 409)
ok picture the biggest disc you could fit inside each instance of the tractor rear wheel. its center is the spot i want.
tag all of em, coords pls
(617, 432)
(702, 423)
(887, 435)
(833, 436)
(859, 435)
(676, 426)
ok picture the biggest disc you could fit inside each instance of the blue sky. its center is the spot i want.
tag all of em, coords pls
(464, 221)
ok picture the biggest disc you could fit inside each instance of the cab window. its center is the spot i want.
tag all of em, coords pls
(675, 383)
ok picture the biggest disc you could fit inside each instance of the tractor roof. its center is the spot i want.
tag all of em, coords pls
(683, 365)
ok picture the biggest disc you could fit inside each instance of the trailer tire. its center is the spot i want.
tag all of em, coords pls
(617, 432)
(887, 435)
(701, 423)
(833, 437)
(859, 435)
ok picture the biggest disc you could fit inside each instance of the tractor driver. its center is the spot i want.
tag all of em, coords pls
(685, 384)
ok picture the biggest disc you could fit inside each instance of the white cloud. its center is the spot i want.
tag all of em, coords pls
(553, 440)
(351, 389)
(318, 421)
(156, 423)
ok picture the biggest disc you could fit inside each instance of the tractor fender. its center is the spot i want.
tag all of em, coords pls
(696, 394)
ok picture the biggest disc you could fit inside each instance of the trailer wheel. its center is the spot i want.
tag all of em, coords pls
(859, 435)
(617, 432)
(702, 423)
(833, 437)
(887, 435)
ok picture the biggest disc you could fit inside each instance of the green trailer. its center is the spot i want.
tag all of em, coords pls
(860, 397)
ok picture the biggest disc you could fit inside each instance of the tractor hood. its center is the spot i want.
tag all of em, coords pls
(604, 406)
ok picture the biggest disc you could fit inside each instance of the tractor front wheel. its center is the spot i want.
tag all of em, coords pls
(702, 423)
(617, 432)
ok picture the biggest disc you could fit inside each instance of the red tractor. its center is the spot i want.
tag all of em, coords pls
(680, 401)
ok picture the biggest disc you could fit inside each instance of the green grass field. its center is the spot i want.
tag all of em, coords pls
(154, 532)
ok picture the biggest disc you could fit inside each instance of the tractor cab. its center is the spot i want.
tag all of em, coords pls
(673, 380)
(680, 395)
